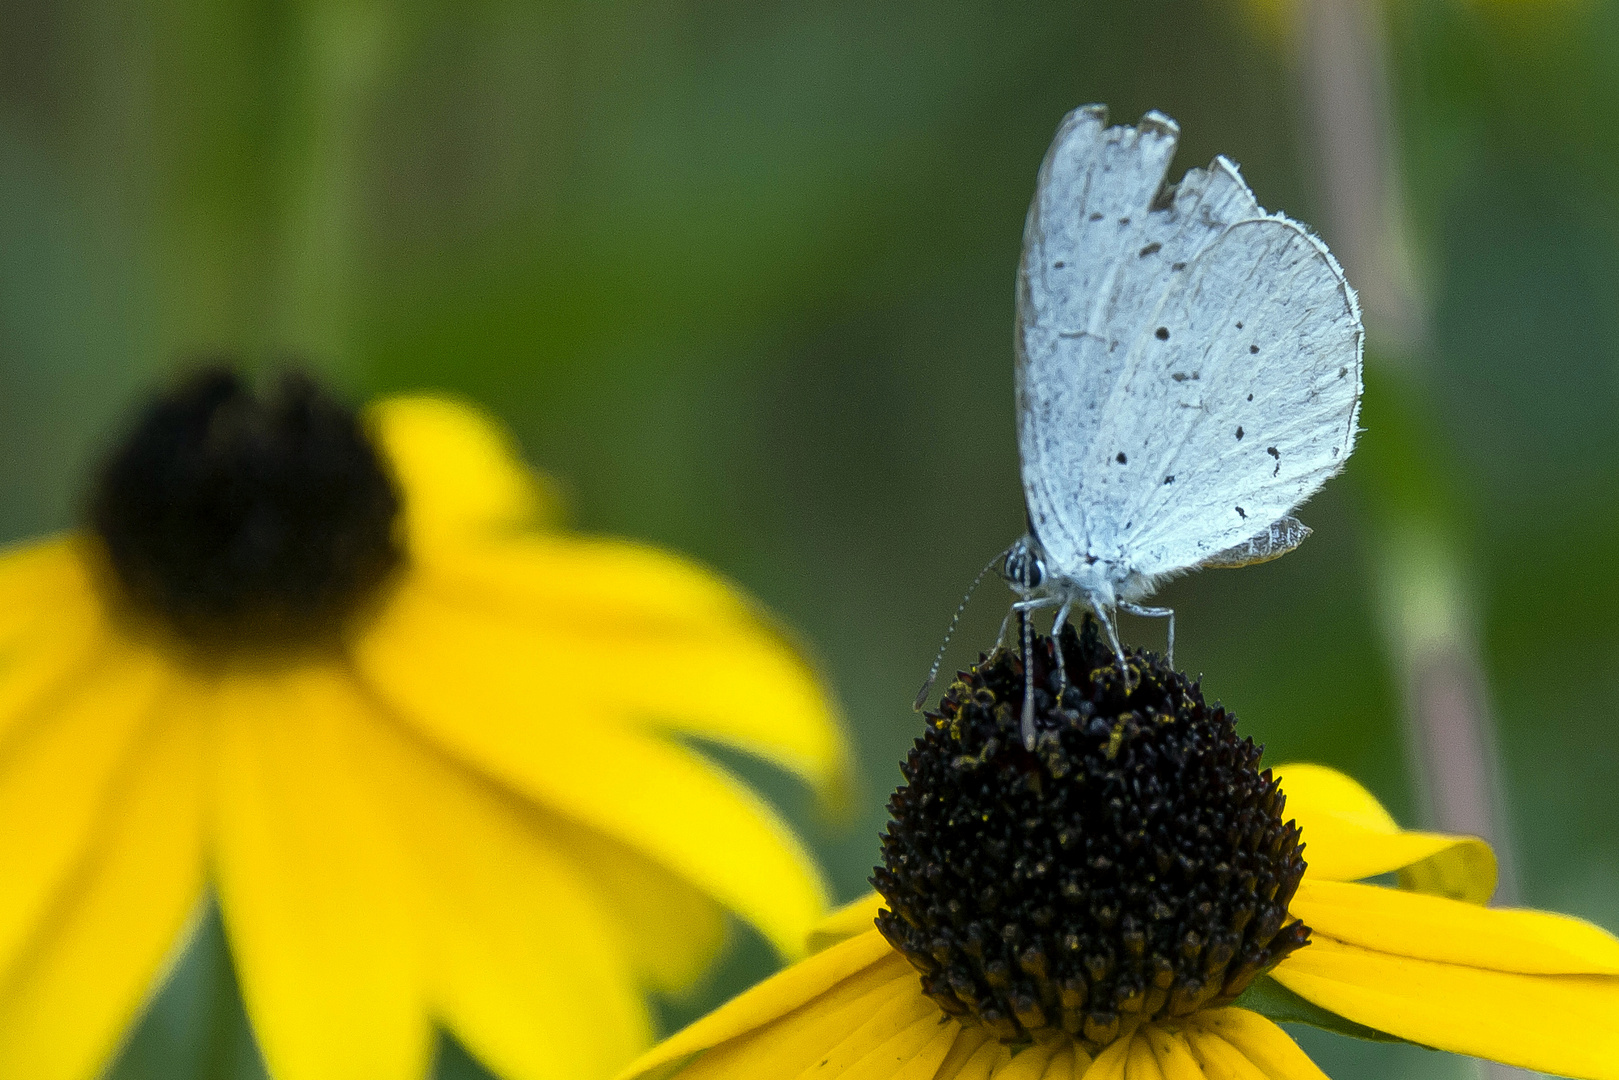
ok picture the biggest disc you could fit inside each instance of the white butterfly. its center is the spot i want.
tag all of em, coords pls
(1188, 373)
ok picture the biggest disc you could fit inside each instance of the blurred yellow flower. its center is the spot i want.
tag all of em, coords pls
(1139, 909)
(425, 750)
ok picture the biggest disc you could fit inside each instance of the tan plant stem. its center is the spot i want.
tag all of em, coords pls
(1421, 572)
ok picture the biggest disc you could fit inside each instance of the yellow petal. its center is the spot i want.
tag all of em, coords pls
(41, 581)
(56, 768)
(1219, 1059)
(1070, 1063)
(1109, 1064)
(460, 473)
(670, 930)
(798, 1042)
(986, 1061)
(1349, 836)
(674, 652)
(693, 817)
(855, 917)
(312, 884)
(873, 1036)
(1434, 928)
(51, 645)
(1061, 1064)
(1560, 1024)
(1139, 1062)
(1029, 1063)
(1267, 1046)
(835, 978)
(942, 1043)
(81, 982)
(52, 622)
(599, 584)
(35, 565)
(668, 802)
(1173, 1056)
(967, 1043)
(524, 962)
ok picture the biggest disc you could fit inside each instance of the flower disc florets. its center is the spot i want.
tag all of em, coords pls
(1135, 865)
(236, 518)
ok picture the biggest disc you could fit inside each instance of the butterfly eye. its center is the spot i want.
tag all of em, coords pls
(1023, 568)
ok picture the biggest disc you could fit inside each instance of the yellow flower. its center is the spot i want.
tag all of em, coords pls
(425, 751)
(1128, 780)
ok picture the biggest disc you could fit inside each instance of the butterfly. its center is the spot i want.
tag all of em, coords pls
(1188, 372)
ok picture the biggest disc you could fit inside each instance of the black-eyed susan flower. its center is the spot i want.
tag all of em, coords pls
(426, 751)
(1131, 901)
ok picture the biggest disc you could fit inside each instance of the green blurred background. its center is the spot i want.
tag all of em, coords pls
(740, 276)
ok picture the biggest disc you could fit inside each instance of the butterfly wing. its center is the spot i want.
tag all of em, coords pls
(1277, 540)
(1188, 365)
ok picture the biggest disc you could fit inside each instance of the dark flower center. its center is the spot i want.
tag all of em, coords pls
(244, 519)
(1134, 866)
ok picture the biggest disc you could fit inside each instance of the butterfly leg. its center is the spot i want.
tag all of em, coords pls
(1056, 647)
(1034, 603)
(1000, 638)
(1104, 615)
(1157, 613)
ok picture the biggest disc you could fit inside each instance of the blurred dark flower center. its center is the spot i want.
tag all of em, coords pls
(238, 518)
(1134, 866)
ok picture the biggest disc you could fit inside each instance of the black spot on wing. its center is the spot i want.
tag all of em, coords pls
(1151, 249)
(1096, 217)
(1162, 333)
(1177, 266)
(1169, 479)
(1058, 265)
(1277, 454)
(1239, 433)
(1253, 348)
(1120, 458)
(1239, 326)
(1242, 513)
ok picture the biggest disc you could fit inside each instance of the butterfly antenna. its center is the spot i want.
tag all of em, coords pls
(949, 631)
